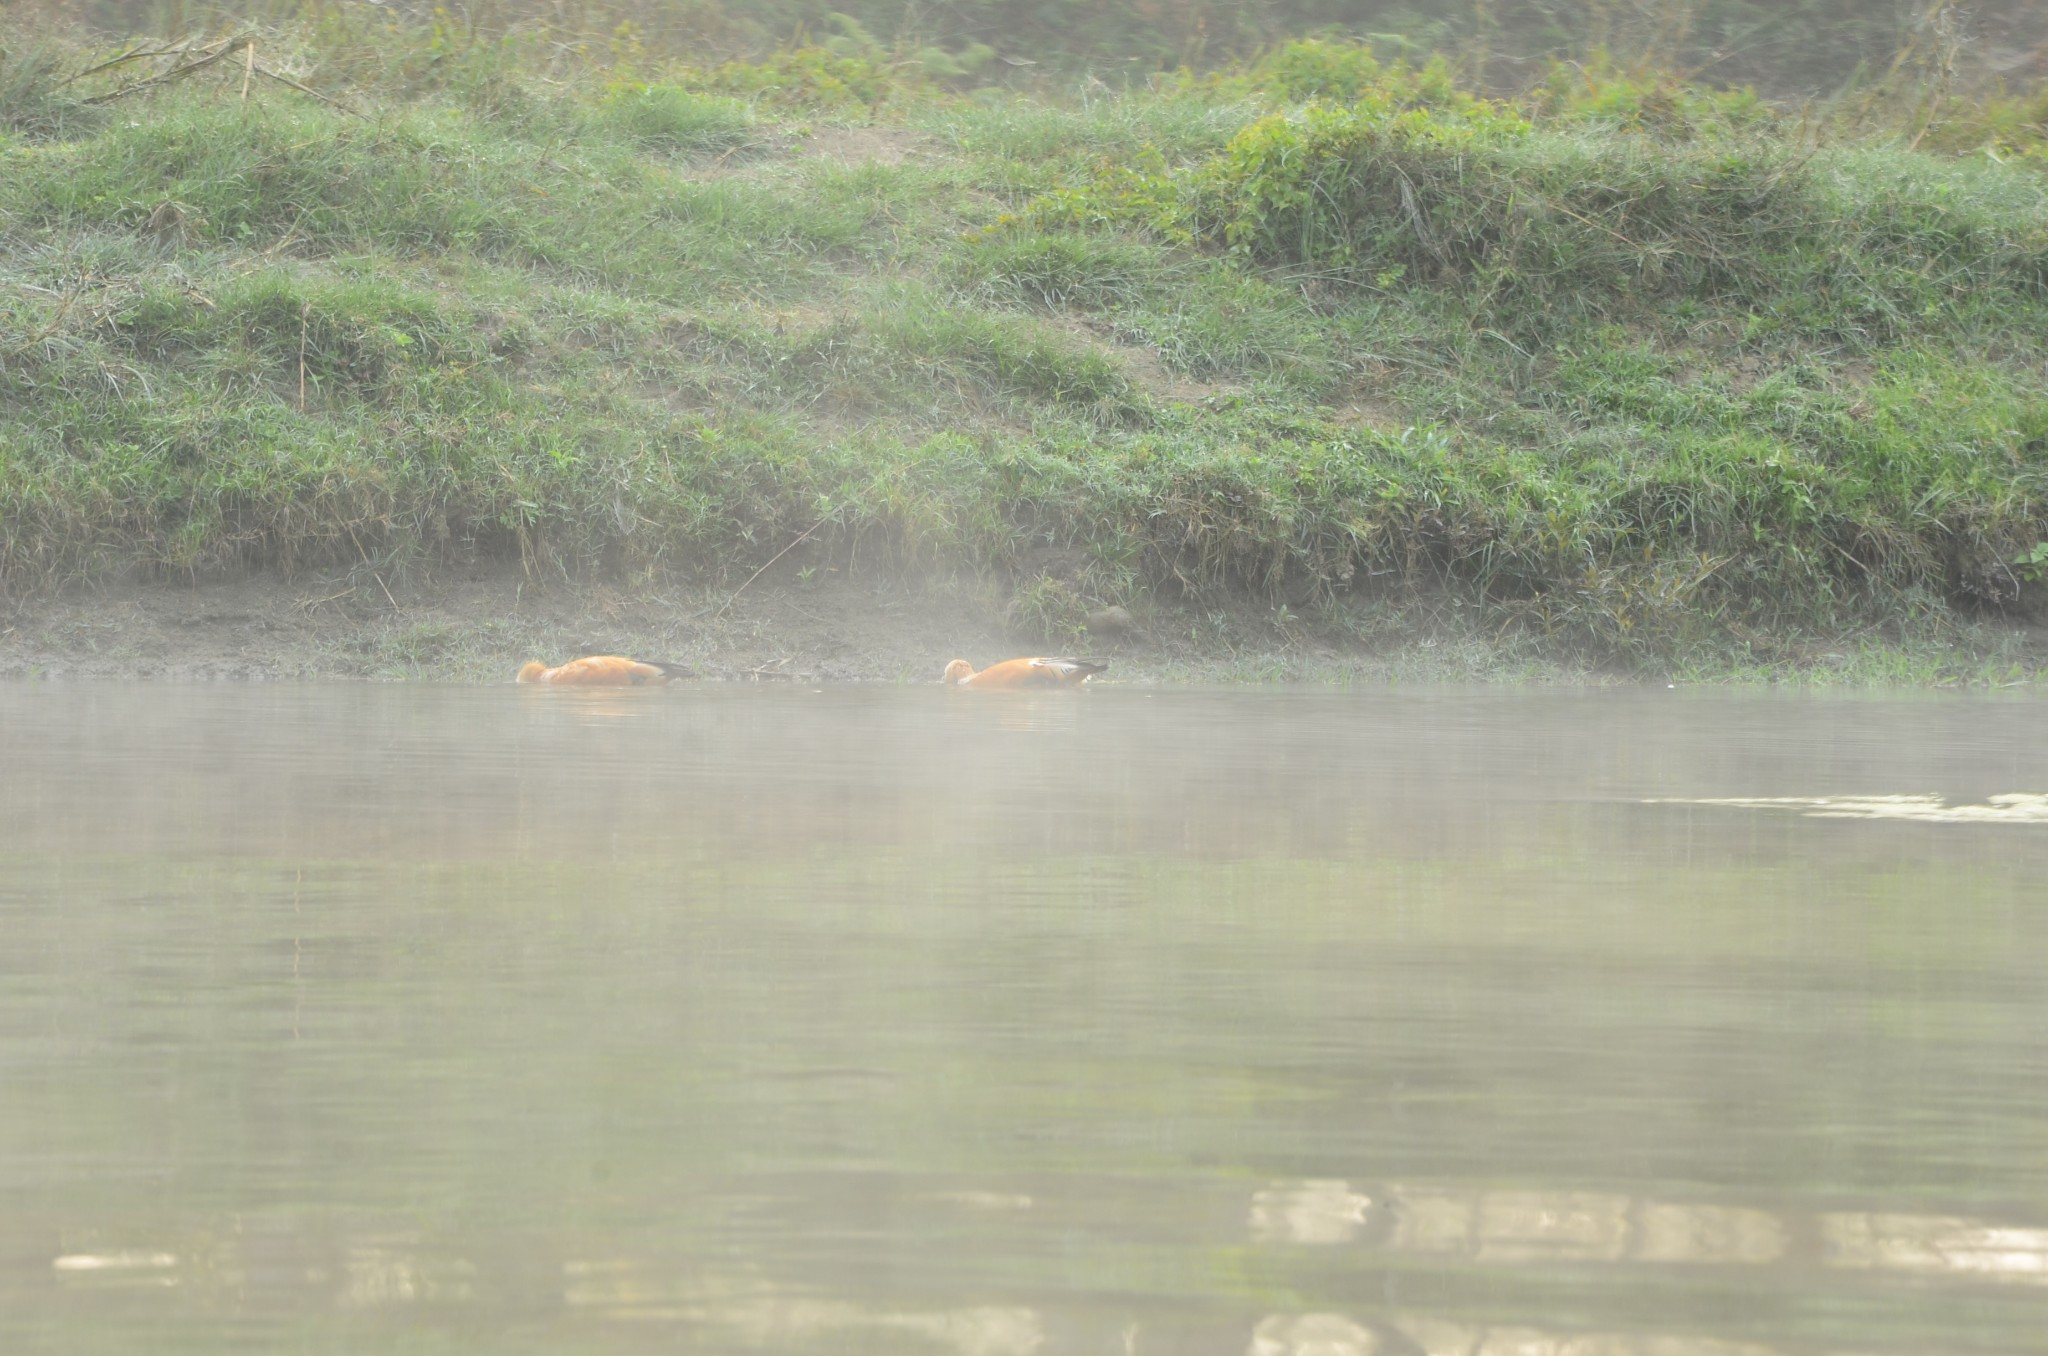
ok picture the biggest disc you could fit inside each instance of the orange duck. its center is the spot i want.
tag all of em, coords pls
(1025, 673)
(603, 670)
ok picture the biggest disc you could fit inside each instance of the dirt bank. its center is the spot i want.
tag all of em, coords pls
(479, 626)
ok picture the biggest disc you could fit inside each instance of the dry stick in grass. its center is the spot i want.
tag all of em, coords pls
(132, 54)
(308, 604)
(772, 559)
(232, 45)
(310, 93)
(226, 48)
(1588, 221)
(305, 313)
(1869, 573)
(1948, 41)
(64, 305)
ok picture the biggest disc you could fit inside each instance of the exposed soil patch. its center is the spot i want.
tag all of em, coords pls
(865, 145)
(1367, 412)
(479, 626)
(482, 626)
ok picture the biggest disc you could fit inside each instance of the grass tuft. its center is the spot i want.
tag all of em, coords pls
(664, 117)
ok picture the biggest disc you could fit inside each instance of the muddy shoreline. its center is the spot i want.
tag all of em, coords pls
(479, 625)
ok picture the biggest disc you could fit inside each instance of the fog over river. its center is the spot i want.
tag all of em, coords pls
(348, 1018)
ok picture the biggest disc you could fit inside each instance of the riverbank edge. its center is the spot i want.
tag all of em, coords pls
(479, 625)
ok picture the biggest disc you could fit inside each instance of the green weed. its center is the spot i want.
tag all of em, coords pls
(667, 118)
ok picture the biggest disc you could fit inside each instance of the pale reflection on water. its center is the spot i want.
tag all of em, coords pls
(2012, 808)
(1529, 1226)
(1290, 1024)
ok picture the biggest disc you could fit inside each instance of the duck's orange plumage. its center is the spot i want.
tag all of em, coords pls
(1025, 673)
(603, 670)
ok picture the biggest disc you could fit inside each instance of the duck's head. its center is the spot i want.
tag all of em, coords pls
(959, 671)
(530, 671)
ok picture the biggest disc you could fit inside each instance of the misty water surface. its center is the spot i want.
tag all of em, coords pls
(345, 1018)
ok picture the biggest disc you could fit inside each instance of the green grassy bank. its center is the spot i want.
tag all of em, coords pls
(1638, 375)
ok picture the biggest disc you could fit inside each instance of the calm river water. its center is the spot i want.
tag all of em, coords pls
(344, 1019)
